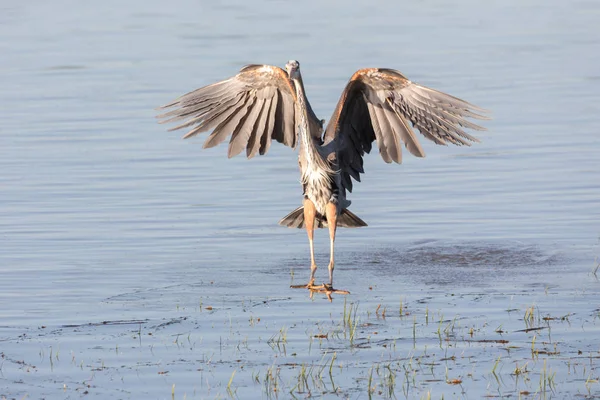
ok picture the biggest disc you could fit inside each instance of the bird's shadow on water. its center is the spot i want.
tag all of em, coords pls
(437, 263)
(430, 263)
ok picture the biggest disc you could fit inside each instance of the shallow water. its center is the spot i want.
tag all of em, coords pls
(105, 217)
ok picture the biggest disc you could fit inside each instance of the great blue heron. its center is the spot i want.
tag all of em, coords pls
(264, 102)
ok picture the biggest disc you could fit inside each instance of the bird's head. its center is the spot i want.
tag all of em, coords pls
(293, 69)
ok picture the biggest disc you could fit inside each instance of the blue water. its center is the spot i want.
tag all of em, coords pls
(97, 200)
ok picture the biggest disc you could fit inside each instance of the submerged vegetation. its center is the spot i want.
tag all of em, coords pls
(433, 347)
(453, 328)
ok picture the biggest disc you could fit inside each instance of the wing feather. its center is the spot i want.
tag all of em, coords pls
(197, 96)
(241, 135)
(406, 134)
(206, 119)
(265, 140)
(379, 132)
(377, 105)
(258, 130)
(228, 126)
(287, 120)
(254, 106)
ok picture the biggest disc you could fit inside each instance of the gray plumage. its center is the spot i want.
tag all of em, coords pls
(264, 103)
(260, 104)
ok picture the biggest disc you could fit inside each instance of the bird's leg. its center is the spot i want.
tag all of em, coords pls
(310, 213)
(309, 220)
(331, 212)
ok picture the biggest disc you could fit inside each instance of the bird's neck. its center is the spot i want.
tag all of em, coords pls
(310, 157)
(305, 138)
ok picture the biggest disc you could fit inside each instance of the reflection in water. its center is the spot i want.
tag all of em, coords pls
(325, 288)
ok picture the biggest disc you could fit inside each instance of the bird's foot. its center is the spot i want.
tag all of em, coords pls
(325, 288)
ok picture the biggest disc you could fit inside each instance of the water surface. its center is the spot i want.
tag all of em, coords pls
(104, 216)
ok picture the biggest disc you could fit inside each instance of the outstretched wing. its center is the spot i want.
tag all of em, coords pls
(254, 106)
(377, 105)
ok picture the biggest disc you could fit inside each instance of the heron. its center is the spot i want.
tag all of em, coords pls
(263, 103)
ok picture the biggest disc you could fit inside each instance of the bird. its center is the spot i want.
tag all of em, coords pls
(263, 103)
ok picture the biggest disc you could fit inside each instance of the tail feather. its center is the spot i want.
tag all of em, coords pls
(346, 219)
(295, 219)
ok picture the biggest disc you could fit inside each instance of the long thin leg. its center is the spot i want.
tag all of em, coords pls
(309, 220)
(332, 214)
